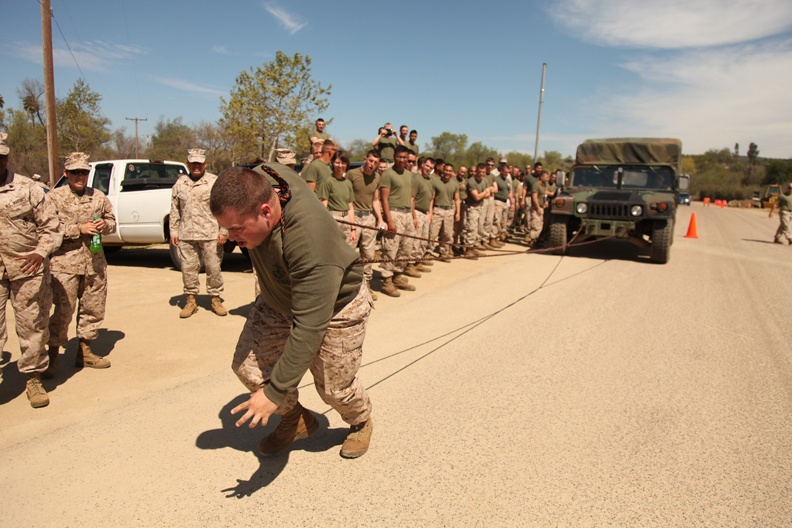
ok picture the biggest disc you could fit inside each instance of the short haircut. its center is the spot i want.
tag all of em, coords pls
(328, 144)
(241, 190)
(537, 164)
(414, 132)
(439, 161)
(343, 156)
(401, 149)
(481, 166)
(373, 154)
(449, 164)
(421, 160)
(491, 159)
(320, 120)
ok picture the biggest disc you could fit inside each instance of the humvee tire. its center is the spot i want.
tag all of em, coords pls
(662, 232)
(558, 235)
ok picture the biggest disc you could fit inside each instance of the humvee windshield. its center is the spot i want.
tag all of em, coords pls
(624, 177)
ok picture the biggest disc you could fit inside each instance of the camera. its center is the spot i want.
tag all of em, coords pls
(388, 132)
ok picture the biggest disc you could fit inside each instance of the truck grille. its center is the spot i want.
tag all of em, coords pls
(609, 210)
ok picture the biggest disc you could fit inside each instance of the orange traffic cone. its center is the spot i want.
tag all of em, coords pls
(692, 231)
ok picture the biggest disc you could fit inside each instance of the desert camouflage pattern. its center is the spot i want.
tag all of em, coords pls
(397, 246)
(420, 247)
(192, 253)
(471, 234)
(442, 228)
(501, 222)
(74, 256)
(783, 231)
(367, 241)
(190, 217)
(334, 368)
(28, 224)
(89, 291)
(536, 223)
(487, 220)
(31, 299)
(616, 151)
(345, 228)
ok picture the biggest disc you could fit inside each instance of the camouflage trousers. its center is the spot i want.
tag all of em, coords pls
(31, 299)
(472, 221)
(536, 223)
(420, 247)
(334, 367)
(345, 228)
(486, 223)
(192, 253)
(459, 225)
(69, 291)
(501, 217)
(367, 241)
(396, 246)
(783, 231)
(442, 226)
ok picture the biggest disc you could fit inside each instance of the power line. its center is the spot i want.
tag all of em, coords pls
(52, 15)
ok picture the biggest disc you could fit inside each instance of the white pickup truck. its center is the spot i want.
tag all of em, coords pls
(140, 191)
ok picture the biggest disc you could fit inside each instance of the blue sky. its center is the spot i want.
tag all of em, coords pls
(711, 72)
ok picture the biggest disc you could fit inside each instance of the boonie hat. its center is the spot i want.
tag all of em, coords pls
(77, 161)
(196, 155)
(504, 160)
(4, 150)
(285, 156)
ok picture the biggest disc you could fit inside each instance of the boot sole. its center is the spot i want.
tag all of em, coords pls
(185, 316)
(310, 430)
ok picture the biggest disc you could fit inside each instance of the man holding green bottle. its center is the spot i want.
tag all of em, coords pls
(78, 266)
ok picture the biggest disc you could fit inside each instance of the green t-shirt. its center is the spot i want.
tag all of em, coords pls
(422, 191)
(414, 147)
(400, 186)
(364, 188)
(473, 185)
(338, 193)
(317, 171)
(517, 188)
(462, 186)
(307, 272)
(387, 147)
(445, 191)
(504, 186)
(785, 202)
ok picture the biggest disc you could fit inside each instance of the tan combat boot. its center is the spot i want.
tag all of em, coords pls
(428, 262)
(497, 244)
(217, 306)
(296, 424)
(35, 392)
(422, 268)
(471, 254)
(410, 271)
(389, 288)
(373, 295)
(86, 358)
(358, 440)
(52, 352)
(401, 282)
(190, 307)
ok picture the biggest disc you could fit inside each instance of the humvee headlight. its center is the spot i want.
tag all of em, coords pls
(581, 208)
(559, 202)
(636, 210)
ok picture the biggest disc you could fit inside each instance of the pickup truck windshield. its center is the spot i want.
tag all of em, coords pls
(141, 176)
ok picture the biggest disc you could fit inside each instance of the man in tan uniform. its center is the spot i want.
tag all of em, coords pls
(195, 232)
(312, 312)
(79, 273)
(28, 234)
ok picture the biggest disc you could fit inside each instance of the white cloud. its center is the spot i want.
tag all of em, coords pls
(221, 50)
(98, 56)
(709, 98)
(672, 24)
(190, 87)
(290, 23)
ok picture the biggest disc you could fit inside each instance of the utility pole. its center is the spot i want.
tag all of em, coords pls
(539, 119)
(49, 91)
(136, 119)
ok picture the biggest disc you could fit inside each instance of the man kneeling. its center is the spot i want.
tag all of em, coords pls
(312, 311)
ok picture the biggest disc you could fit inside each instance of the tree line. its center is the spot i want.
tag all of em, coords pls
(274, 105)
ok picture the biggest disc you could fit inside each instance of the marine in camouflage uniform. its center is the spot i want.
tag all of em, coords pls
(537, 207)
(445, 211)
(28, 235)
(79, 276)
(784, 204)
(312, 312)
(194, 231)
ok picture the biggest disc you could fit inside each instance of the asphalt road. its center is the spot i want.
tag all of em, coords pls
(594, 389)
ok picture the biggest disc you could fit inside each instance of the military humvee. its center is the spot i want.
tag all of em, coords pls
(622, 187)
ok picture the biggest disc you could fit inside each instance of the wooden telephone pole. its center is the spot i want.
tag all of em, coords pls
(136, 119)
(49, 92)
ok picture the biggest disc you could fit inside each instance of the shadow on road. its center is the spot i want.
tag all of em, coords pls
(758, 241)
(159, 257)
(246, 439)
(610, 250)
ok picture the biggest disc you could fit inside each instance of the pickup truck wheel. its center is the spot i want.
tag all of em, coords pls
(662, 231)
(558, 235)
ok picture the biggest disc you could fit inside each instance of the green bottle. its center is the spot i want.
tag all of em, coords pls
(96, 241)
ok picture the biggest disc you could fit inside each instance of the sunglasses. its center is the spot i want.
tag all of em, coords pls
(79, 172)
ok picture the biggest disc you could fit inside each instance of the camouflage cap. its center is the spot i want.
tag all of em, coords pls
(285, 156)
(4, 150)
(77, 161)
(196, 155)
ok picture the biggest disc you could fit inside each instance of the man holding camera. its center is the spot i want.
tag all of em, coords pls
(386, 143)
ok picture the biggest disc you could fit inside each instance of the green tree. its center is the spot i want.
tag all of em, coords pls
(170, 140)
(450, 147)
(269, 105)
(357, 149)
(28, 144)
(778, 171)
(552, 160)
(30, 94)
(478, 152)
(210, 136)
(81, 125)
